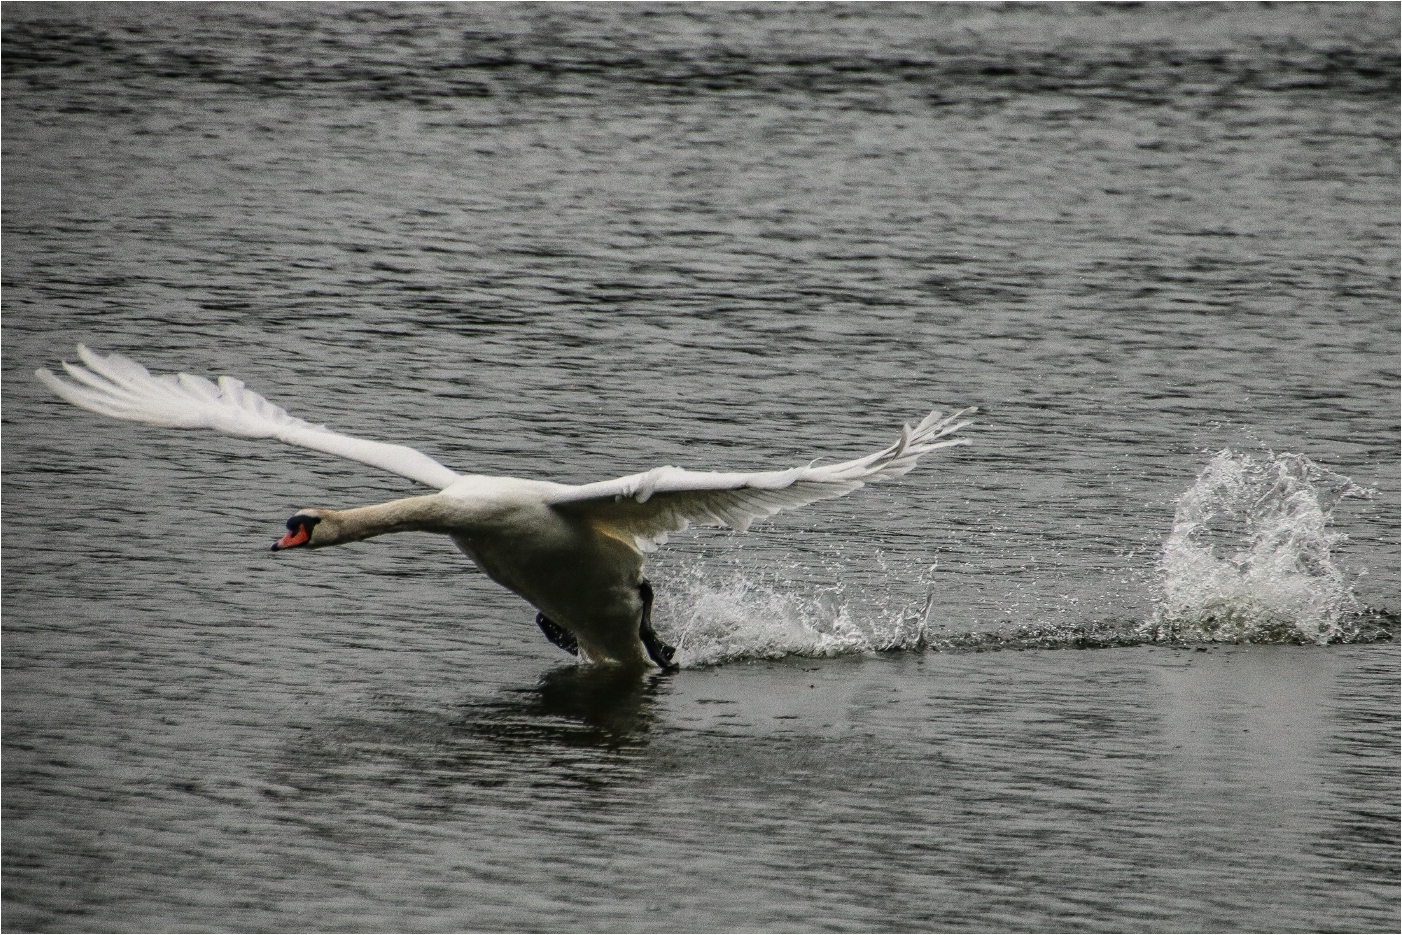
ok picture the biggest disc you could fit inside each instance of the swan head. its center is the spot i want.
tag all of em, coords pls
(303, 531)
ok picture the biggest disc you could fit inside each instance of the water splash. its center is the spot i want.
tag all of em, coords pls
(738, 617)
(1249, 556)
(1249, 559)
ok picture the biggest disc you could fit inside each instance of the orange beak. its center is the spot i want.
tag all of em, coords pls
(298, 536)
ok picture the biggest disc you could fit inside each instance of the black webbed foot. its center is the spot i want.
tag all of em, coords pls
(659, 651)
(557, 634)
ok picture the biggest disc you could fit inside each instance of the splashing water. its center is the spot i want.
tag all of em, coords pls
(741, 618)
(1248, 559)
(1249, 554)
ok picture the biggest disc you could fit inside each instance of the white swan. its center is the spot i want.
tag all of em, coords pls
(575, 552)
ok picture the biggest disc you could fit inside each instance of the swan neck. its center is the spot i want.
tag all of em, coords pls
(412, 514)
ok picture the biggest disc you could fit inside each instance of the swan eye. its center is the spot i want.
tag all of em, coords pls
(299, 520)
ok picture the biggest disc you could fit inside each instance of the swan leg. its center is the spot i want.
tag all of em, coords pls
(557, 634)
(660, 652)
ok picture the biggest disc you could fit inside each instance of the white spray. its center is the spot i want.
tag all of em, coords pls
(1249, 557)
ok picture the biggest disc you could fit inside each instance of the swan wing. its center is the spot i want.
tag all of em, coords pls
(123, 389)
(647, 507)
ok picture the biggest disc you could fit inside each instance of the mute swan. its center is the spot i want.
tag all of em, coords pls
(574, 552)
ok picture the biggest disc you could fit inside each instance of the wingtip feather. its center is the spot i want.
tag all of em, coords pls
(121, 388)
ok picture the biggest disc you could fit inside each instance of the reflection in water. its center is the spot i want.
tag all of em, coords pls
(600, 706)
(579, 727)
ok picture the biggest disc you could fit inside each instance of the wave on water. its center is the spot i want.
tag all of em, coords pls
(1248, 560)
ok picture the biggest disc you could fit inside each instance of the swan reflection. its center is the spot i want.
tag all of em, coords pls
(599, 706)
(578, 727)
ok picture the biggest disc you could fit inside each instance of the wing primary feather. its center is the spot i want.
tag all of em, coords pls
(654, 503)
(100, 383)
(121, 388)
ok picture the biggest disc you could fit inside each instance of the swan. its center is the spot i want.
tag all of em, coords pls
(575, 552)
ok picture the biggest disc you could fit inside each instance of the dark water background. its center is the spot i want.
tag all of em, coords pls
(577, 241)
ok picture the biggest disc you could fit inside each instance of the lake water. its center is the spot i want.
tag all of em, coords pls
(1156, 245)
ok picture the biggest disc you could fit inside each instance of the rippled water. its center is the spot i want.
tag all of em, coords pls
(578, 241)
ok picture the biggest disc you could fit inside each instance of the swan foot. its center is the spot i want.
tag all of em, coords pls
(557, 634)
(659, 651)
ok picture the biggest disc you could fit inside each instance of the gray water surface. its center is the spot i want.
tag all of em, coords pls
(575, 242)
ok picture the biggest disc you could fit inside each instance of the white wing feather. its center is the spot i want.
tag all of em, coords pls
(646, 507)
(123, 389)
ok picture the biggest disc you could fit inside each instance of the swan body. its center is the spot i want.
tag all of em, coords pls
(575, 552)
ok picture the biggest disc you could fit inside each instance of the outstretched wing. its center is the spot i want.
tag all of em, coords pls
(644, 508)
(123, 389)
